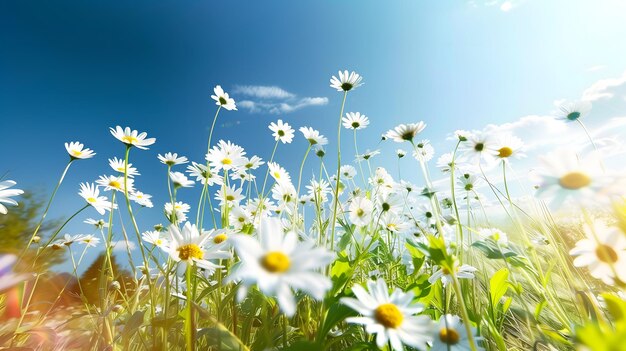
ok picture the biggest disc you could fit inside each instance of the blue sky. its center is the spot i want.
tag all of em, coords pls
(70, 70)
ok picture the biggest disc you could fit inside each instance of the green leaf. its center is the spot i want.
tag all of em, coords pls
(336, 314)
(134, 322)
(616, 307)
(498, 286)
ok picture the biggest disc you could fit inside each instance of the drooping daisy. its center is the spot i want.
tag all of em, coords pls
(400, 153)
(180, 180)
(88, 240)
(390, 316)
(462, 272)
(141, 199)
(603, 251)
(277, 262)
(115, 183)
(77, 150)
(368, 154)
(281, 131)
(355, 120)
(278, 173)
(90, 193)
(509, 147)
(222, 99)
(132, 137)
(313, 136)
(451, 335)
(573, 110)
(119, 165)
(189, 246)
(98, 223)
(172, 159)
(226, 155)
(204, 174)
(346, 81)
(6, 193)
(405, 132)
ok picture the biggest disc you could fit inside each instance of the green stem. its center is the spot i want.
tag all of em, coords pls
(332, 223)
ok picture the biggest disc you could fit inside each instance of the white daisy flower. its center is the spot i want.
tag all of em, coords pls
(495, 234)
(239, 217)
(155, 238)
(141, 199)
(277, 262)
(367, 155)
(400, 153)
(76, 150)
(360, 211)
(346, 81)
(469, 182)
(424, 152)
(90, 193)
(508, 147)
(281, 131)
(222, 99)
(313, 136)
(405, 132)
(98, 223)
(462, 272)
(603, 251)
(204, 174)
(115, 183)
(88, 240)
(180, 180)
(172, 159)
(319, 190)
(479, 146)
(347, 172)
(390, 316)
(253, 162)
(394, 222)
(451, 335)
(278, 173)
(180, 209)
(228, 195)
(132, 137)
(188, 246)
(119, 165)
(6, 193)
(226, 156)
(355, 120)
(573, 110)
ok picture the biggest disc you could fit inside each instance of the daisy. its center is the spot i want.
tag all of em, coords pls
(469, 182)
(393, 222)
(451, 335)
(313, 136)
(228, 195)
(462, 272)
(132, 138)
(277, 262)
(180, 180)
(508, 147)
(400, 153)
(239, 217)
(141, 199)
(390, 316)
(98, 223)
(222, 99)
(479, 146)
(281, 131)
(405, 132)
(119, 165)
(242, 175)
(566, 176)
(495, 234)
(76, 151)
(253, 162)
(155, 238)
(424, 152)
(88, 240)
(603, 251)
(180, 209)
(319, 190)
(90, 193)
(7, 277)
(6, 193)
(319, 151)
(189, 246)
(346, 81)
(172, 159)
(355, 120)
(278, 173)
(381, 178)
(368, 154)
(203, 174)
(226, 156)
(573, 111)
(115, 183)
(347, 172)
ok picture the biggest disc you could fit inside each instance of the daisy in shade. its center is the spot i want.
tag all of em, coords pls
(222, 99)
(203, 174)
(603, 251)
(91, 194)
(77, 151)
(313, 136)
(226, 155)
(451, 335)
(180, 180)
(277, 263)
(119, 165)
(573, 110)
(355, 120)
(141, 199)
(7, 277)
(189, 246)
(172, 159)
(509, 147)
(132, 137)
(346, 81)
(6, 193)
(281, 131)
(390, 316)
(566, 176)
(405, 132)
(479, 146)
(462, 272)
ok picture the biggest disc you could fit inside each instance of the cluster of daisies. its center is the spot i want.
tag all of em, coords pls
(271, 241)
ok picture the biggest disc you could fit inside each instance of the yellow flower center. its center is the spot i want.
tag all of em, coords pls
(275, 262)
(158, 242)
(388, 315)
(76, 153)
(449, 336)
(360, 212)
(505, 152)
(91, 199)
(129, 139)
(445, 271)
(227, 161)
(187, 252)
(574, 180)
(276, 175)
(606, 254)
(115, 184)
(230, 198)
(220, 238)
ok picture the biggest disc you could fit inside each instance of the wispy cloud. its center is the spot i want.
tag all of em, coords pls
(604, 88)
(274, 100)
(123, 245)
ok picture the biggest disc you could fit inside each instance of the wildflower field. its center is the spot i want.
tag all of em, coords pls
(350, 258)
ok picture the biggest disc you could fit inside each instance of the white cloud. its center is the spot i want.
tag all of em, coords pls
(263, 92)
(123, 245)
(503, 5)
(603, 89)
(506, 6)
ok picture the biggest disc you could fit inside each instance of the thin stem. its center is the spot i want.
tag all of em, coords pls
(332, 223)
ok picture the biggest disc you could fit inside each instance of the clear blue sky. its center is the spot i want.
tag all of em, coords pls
(71, 69)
